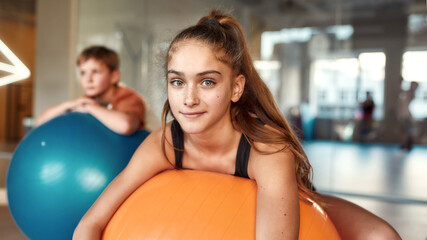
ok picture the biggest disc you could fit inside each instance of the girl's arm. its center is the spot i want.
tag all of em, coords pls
(147, 161)
(277, 214)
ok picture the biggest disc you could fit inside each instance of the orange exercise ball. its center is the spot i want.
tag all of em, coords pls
(188, 204)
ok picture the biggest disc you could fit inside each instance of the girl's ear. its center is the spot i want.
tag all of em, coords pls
(238, 87)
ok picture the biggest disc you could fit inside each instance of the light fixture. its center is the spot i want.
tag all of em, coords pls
(18, 71)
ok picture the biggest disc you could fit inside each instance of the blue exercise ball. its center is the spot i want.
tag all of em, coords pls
(60, 168)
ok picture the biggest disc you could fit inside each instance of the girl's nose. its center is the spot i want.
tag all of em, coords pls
(191, 97)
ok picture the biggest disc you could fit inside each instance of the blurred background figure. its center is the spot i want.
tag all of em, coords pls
(405, 116)
(367, 107)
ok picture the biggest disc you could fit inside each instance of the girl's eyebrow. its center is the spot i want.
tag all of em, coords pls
(175, 72)
(199, 74)
(209, 72)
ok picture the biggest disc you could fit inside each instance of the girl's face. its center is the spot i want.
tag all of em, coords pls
(95, 78)
(200, 87)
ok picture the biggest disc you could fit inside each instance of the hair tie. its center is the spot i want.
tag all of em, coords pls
(213, 22)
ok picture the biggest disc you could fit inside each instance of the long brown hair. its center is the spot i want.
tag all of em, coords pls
(256, 106)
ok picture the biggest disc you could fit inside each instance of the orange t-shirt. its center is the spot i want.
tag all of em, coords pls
(128, 101)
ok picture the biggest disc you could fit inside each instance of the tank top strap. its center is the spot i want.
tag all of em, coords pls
(242, 158)
(178, 143)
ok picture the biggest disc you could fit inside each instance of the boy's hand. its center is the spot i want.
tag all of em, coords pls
(117, 121)
(81, 104)
(76, 105)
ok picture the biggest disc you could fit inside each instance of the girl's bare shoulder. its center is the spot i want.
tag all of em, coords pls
(156, 144)
(268, 157)
(156, 136)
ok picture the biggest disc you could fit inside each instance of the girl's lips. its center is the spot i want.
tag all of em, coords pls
(192, 114)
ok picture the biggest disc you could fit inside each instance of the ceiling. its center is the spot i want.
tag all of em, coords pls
(278, 14)
(18, 10)
(27, 6)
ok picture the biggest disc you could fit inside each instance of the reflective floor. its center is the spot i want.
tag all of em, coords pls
(390, 182)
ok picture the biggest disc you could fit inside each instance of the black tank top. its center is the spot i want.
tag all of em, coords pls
(242, 157)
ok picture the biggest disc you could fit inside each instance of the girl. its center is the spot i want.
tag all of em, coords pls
(226, 121)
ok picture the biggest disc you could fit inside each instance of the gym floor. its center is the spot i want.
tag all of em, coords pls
(384, 179)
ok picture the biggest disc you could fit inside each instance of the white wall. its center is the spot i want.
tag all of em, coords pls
(55, 44)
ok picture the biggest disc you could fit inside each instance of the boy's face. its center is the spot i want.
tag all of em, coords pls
(96, 79)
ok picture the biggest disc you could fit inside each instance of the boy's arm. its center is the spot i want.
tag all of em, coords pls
(62, 108)
(125, 123)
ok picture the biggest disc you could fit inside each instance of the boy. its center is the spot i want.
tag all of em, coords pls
(117, 107)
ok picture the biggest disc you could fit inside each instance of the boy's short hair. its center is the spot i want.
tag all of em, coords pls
(100, 53)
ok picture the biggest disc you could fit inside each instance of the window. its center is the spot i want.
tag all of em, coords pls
(340, 84)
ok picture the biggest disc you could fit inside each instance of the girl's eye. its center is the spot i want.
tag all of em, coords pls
(208, 83)
(176, 82)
